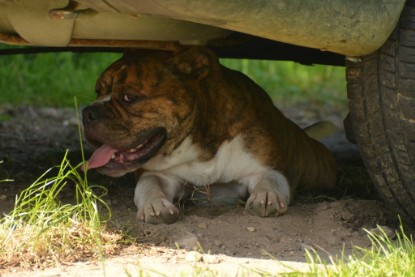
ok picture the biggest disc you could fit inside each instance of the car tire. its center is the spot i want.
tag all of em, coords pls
(381, 92)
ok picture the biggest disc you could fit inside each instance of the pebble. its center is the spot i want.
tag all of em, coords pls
(202, 225)
(194, 256)
(218, 243)
(189, 241)
(250, 229)
(230, 252)
(162, 238)
(331, 239)
(3, 197)
(307, 247)
(211, 259)
(384, 230)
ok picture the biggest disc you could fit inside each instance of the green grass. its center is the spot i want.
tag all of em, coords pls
(42, 230)
(53, 79)
(385, 257)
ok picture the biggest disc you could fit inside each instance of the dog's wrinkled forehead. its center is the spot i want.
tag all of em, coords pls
(125, 67)
(150, 65)
(105, 82)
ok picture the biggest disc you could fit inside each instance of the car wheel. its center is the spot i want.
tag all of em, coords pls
(381, 92)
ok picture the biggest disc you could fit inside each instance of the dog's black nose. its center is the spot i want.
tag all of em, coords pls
(90, 114)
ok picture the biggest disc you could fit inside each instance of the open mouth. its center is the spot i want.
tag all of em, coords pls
(113, 158)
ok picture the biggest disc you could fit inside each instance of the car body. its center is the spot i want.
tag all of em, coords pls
(278, 29)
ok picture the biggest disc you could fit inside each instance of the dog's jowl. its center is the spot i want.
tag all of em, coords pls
(182, 118)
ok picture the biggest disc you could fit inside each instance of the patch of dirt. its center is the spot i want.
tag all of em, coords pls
(32, 140)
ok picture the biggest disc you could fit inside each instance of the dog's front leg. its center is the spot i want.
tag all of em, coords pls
(268, 196)
(153, 197)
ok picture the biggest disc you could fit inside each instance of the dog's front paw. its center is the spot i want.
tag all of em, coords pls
(265, 203)
(157, 211)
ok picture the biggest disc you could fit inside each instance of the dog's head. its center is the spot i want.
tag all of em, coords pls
(146, 105)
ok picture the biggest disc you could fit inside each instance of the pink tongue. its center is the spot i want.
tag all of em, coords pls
(101, 156)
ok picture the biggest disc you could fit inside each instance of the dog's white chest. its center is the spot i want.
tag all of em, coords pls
(231, 162)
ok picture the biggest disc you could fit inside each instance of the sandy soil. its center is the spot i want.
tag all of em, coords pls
(32, 140)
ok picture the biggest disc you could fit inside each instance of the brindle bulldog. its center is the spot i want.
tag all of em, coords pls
(183, 118)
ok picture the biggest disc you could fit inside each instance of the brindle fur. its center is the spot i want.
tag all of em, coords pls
(190, 94)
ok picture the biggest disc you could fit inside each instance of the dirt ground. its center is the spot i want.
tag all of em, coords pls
(32, 140)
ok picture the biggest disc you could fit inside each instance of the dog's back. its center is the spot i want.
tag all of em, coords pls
(281, 144)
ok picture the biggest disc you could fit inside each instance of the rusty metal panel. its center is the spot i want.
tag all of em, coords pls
(349, 27)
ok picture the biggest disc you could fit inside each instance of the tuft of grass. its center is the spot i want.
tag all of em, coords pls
(385, 257)
(41, 230)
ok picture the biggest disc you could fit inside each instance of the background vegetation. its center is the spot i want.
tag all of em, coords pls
(53, 79)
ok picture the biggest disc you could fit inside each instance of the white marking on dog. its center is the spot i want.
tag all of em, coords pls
(231, 163)
(104, 98)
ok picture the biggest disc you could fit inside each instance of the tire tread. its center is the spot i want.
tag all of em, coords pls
(381, 92)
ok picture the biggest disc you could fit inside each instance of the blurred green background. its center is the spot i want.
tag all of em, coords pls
(53, 79)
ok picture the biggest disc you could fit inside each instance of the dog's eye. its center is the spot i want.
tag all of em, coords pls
(128, 98)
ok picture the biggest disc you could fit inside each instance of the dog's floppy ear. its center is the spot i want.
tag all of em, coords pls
(195, 62)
